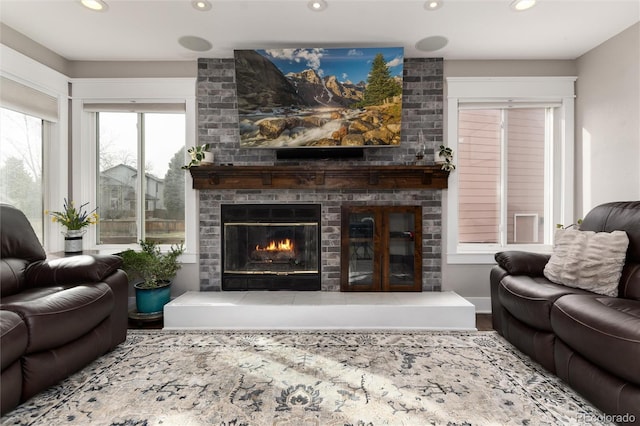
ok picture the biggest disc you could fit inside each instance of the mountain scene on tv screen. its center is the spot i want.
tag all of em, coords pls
(289, 98)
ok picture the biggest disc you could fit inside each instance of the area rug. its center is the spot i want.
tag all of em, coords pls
(309, 378)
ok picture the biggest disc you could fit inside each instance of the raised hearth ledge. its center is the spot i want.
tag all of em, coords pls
(319, 177)
(316, 310)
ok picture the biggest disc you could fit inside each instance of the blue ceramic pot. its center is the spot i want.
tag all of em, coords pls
(152, 300)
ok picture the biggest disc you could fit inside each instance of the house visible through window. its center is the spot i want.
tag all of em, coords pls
(21, 165)
(140, 181)
(504, 195)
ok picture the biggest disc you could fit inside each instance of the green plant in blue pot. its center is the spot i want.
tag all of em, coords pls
(151, 271)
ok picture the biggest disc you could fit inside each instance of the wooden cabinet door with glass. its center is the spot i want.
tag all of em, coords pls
(381, 248)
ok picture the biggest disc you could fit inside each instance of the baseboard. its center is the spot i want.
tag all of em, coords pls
(482, 304)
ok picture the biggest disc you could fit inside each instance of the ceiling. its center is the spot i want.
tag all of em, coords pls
(133, 30)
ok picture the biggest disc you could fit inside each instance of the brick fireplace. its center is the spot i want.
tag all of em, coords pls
(218, 125)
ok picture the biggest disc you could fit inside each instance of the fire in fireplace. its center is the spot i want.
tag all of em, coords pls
(271, 247)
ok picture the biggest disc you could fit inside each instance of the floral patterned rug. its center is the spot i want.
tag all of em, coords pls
(309, 378)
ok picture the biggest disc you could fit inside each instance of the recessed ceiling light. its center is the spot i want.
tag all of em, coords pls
(521, 5)
(433, 4)
(317, 5)
(431, 44)
(197, 44)
(201, 5)
(97, 5)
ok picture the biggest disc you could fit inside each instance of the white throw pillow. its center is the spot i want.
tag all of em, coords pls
(588, 260)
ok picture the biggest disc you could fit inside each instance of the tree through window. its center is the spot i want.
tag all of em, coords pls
(141, 186)
(21, 165)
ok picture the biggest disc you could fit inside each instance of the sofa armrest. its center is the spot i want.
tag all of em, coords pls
(71, 270)
(522, 262)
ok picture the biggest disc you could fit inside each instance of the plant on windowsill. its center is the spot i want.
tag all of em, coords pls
(151, 272)
(74, 220)
(199, 154)
(573, 225)
(445, 158)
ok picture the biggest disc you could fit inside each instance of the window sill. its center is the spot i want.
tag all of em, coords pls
(487, 257)
(185, 258)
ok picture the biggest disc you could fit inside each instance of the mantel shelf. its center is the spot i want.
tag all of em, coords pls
(328, 177)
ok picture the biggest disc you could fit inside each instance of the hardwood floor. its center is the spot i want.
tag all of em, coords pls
(483, 322)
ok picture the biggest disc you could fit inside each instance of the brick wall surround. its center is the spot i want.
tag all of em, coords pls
(218, 125)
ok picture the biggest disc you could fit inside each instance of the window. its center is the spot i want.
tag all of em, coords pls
(513, 148)
(503, 195)
(21, 165)
(141, 187)
(158, 120)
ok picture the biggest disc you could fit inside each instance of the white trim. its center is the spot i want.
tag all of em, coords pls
(527, 88)
(134, 90)
(505, 89)
(123, 90)
(20, 68)
(31, 73)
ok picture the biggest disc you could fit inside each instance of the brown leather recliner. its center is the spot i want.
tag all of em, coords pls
(56, 316)
(590, 341)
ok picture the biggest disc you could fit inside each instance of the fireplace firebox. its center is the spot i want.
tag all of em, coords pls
(270, 247)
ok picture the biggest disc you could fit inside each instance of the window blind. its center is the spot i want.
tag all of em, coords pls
(508, 104)
(27, 100)
(134, 107)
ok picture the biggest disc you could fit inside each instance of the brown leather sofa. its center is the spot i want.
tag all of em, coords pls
(56, 316)
(590, 341)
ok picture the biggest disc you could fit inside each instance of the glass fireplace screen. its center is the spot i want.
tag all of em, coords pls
(270, 248)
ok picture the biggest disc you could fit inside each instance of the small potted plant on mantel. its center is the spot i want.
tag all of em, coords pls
(445, 158)
(152, 273)
(199, 154)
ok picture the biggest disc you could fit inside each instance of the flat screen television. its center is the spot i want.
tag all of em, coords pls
(328, 99)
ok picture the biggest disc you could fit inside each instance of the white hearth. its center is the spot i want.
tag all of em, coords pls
(228, 310)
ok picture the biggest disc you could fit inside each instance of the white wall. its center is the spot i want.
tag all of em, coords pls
(608, 122)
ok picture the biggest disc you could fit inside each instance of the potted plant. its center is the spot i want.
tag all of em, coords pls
(445, 158)
(151, 273)
(199, 154)
(573, 225)
(74, 220)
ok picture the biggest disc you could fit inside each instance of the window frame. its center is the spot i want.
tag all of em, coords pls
(495, 91)
(120, 91)
(33, 74)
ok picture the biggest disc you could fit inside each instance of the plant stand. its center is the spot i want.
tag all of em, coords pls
(141, 318)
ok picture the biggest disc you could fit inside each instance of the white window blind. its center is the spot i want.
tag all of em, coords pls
(508, 104)
(134, 107)
(27, 100)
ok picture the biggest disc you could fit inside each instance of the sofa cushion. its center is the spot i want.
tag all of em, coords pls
(522, 263)
(18, 239)
(630, 281)
(619, 215)
(13, 338)
(12, 276)
(625, 216)
(74, 269)
(604, 330)
(530, 299)
(59, 317)
(588, 260)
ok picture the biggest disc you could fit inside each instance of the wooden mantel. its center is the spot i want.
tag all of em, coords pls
(319, 177)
